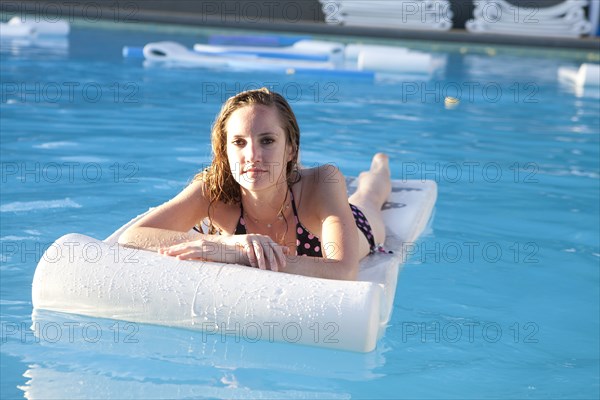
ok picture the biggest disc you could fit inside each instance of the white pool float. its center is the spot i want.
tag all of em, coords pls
(309, 50)
(33, 26)
(356, 61)
(352, 50)
(15, 31)
(395, 62)
(177, 54)
(82, 275)
(587, 75)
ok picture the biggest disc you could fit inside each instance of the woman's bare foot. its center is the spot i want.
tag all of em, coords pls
(374, 187)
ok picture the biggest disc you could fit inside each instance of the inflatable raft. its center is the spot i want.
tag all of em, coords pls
(303, 56)
(82, 275)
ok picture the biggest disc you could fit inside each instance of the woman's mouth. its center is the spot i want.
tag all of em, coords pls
(254, 171)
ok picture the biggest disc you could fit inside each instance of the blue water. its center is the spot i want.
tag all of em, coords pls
(499, 299)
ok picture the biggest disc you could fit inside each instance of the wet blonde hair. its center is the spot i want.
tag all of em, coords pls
(220, 184)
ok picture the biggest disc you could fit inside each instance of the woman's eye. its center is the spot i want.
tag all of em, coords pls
(238, 142)
(268, 141)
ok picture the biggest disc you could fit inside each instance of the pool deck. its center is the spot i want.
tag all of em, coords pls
(453, 36)
(321, 28)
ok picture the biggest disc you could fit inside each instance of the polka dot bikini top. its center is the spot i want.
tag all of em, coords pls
(307, 244)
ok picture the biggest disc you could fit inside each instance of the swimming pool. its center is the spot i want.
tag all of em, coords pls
(498, 300)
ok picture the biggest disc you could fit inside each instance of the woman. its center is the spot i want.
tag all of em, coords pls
(269, 213)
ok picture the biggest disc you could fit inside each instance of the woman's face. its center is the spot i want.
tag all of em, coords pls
(256, 147)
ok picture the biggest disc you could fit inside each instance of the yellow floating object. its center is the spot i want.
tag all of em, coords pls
(451, 102)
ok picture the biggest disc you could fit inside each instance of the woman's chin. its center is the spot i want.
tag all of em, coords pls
(254, 181)
(260, 180)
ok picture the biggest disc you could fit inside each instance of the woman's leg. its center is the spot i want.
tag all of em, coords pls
(374, 187)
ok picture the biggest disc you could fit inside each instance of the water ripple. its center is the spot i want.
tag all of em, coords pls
(38, 205)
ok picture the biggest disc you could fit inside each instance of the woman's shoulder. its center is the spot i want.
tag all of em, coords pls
(322, 181)
(323, 175)
(321, 192)
(222, 215)
(199, 190)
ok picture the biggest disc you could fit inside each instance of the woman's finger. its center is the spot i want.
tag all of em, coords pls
(176, 250)
(190, 255)
(270, 261)
(181, 247)
(258, 251)
(272, 256)
(249, 249)
(279, 257)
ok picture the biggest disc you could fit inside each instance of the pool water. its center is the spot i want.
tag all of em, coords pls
(499, 299)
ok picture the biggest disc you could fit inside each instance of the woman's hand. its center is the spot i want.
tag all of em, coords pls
(261, 251)
(258, 251)
(201, 249)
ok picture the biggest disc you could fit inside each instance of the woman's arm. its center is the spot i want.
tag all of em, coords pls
(320, 268)
(169, 223)
(167, 230)
(339, 236)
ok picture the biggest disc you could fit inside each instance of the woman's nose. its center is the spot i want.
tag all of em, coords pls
(252, 152)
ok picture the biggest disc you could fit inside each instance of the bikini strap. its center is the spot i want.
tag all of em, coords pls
(294, 205)
(240, 229)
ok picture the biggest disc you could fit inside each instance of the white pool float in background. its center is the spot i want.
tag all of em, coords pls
(358, 61)
(587, 75)
(583, 81)
(176, 54)
(33, 26)
(353, 50)
(15, 31)
(400, 62)
(81, 275)
(303, 50)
